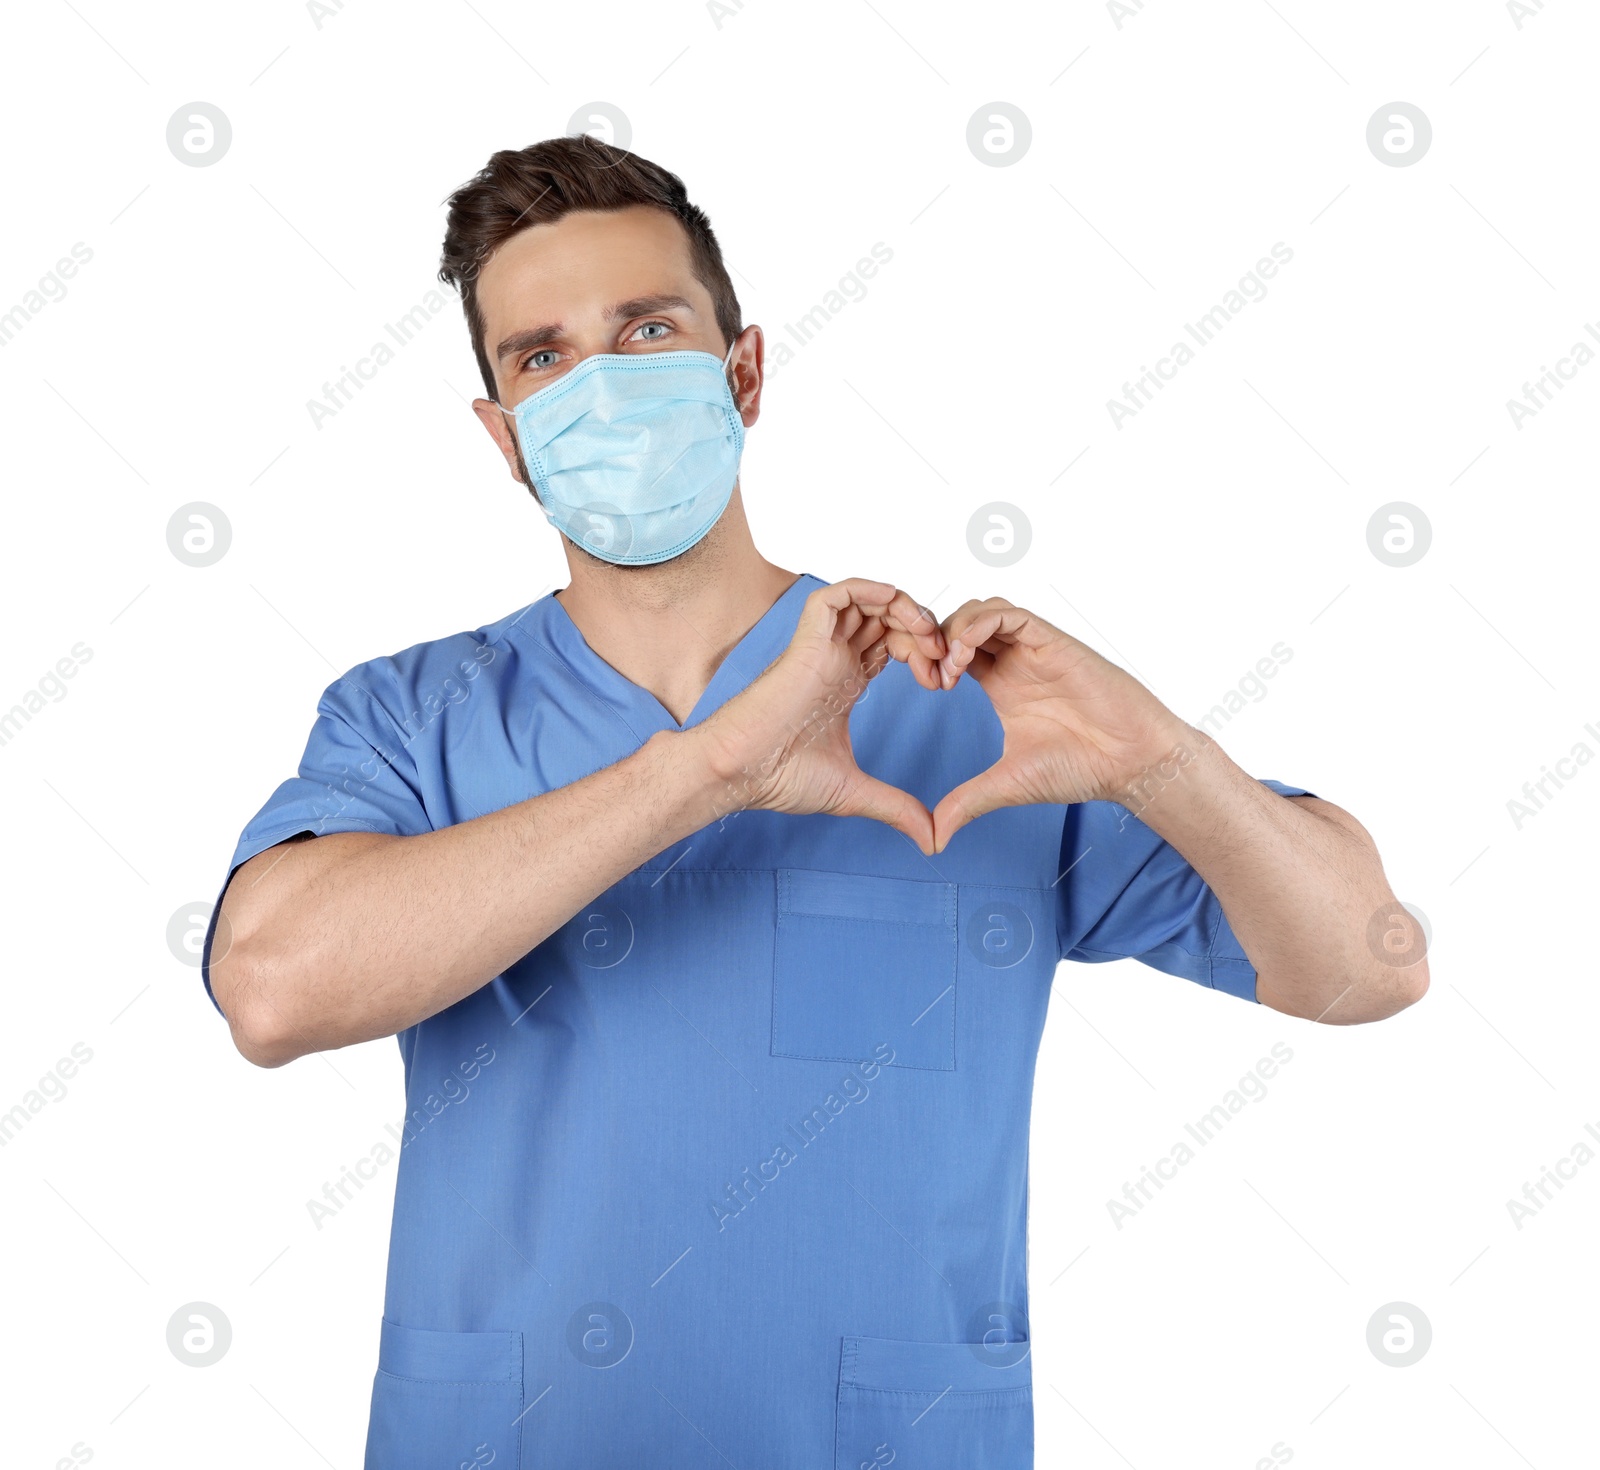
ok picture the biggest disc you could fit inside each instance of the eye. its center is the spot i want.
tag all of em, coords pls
(651, 332)
(545, 357)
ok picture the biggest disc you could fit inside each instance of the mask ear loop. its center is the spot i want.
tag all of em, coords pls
(733, 391)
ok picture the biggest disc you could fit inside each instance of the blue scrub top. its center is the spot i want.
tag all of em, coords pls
(733, 1168)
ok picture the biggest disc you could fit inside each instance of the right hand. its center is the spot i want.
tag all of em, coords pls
(783, 745)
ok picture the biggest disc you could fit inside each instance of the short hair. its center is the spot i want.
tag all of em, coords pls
(545, 181)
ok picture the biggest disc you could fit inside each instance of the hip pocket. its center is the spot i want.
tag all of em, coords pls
(862, 965)
(446, 1401)
(933, 1406)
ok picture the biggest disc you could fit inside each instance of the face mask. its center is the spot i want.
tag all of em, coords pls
(634, 455)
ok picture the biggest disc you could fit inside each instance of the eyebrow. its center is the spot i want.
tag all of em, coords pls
(532, 337)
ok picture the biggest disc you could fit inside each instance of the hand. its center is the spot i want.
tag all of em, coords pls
(1077, 728)
(783, 744)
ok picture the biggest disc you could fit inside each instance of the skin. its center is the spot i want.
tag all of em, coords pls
(328, 941)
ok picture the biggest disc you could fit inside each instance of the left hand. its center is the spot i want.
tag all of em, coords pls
(1077, 728)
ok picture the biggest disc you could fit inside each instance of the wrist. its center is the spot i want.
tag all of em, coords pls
(1169, 750)
(708, 781)
(1177, 783)
(676, 771)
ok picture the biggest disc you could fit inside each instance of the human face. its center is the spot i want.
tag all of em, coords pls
(619, 281)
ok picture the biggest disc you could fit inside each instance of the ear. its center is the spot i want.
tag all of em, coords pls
(747, 368)
(501, 431)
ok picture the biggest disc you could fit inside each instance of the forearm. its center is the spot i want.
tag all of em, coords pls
(354, 936)
(1299, 880)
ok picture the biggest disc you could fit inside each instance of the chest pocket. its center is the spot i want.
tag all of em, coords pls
(864, 968)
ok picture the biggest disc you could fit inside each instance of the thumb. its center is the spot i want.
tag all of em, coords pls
(870, 797)
(985, 792)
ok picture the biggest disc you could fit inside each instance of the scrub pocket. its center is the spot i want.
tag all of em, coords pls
(861, 965)
(933, 1406)
(446, 1400)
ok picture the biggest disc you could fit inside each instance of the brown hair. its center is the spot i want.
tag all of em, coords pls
(544, 181)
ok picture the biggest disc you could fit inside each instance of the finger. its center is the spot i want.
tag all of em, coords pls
(994, 622)
(977, 623)
(849, 622)
(904, 648)
(859, 614)
(910, 616)
(893, 645)
(875, 660)
(870, 797)
(869, 631)
(971, 649)
(985, 792)
(950, 668)
(822, 609)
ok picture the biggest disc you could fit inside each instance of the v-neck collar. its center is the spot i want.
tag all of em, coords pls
(641, 710)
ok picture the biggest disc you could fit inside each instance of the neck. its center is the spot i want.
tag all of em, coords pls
(668, 627)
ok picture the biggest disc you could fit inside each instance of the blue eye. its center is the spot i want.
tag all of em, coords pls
(535, 361)
(654, 326)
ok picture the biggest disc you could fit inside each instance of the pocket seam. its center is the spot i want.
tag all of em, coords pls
(790, 878)
(395, 1338)
(452, 1382)
(976, 1398)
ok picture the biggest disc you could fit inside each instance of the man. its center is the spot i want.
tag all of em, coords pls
(719, 983)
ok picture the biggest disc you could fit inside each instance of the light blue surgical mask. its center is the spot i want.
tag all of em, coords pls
(634, 455)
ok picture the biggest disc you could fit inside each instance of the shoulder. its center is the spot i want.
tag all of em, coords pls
(412, 689)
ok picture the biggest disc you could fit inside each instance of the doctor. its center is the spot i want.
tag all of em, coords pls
(715, 909)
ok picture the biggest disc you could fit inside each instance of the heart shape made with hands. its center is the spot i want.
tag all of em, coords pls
(1075, 726)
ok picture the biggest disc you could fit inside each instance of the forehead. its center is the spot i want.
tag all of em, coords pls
(582, 263)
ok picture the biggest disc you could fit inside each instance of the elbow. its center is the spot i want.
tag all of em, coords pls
(1401, 977)
(264, 1045)
(1336, 999)
(1384, 994)
(264, 1034)
(1413, 985)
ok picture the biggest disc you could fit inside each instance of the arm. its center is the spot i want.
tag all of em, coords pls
(1301, 883)
(1299, 880)
(355, 935)
(352, 936)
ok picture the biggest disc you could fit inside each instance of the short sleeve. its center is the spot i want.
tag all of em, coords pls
(1126, 893)
(356, 776)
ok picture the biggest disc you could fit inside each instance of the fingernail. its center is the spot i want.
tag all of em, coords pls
(949, 668)
(955, 647)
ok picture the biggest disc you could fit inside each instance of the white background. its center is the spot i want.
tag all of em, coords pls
(1168, 155)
